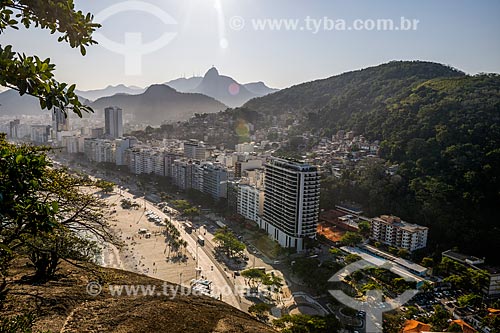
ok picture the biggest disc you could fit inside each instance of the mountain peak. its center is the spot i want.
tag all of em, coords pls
(212, 72)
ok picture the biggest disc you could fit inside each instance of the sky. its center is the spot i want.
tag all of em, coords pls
(186, 37)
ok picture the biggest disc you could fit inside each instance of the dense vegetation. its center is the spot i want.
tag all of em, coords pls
(439, 125)
(350, 100)
(46, 214)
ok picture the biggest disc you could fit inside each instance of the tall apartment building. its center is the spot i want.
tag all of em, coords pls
(232, 195)
(14, 129)
(121, 147)
(113, 122)
(391, 230)
(40, 133)
(291, 202)
(214, 180)
(144, 160)
(196, 150)
(60, 121)
(170, 157)
(198, 175)
(99, 150)
(250, 202)
(182, 173)
(74, 144)
(246, 163)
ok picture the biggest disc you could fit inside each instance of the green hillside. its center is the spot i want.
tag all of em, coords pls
(441, 126)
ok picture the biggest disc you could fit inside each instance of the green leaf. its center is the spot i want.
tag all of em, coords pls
(55, 206)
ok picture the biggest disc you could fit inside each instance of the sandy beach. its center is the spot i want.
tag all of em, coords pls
(139, 254)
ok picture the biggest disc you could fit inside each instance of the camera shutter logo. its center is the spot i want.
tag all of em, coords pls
(374, 307)
(133, 48)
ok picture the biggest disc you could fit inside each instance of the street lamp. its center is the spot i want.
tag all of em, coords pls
(197, 255)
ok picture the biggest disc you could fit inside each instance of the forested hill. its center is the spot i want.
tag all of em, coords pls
(340, 98)
(445, 134)
(441, 126)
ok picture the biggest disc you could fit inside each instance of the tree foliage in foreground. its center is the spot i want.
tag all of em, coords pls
(45, 213)
(33, 75)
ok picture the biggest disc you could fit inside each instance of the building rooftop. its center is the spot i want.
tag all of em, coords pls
(463, 258)
(351, 209)
(292, 164)
(394, 220)
(414, 326)
(400, 261)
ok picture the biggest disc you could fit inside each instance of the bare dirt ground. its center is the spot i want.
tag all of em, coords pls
(64, 305)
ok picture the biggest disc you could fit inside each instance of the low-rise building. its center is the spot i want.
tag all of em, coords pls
(492, 286)
(391, 230)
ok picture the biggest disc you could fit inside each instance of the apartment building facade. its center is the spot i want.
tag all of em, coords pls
(391, 230)
(291, 202)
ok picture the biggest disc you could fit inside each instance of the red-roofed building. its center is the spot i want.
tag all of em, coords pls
(414, 326)
(466, 328)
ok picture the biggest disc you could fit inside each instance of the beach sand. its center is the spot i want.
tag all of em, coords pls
(148, 256)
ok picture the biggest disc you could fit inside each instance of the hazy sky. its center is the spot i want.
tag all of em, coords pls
(461, 33)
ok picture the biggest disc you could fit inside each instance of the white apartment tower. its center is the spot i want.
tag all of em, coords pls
(291, 202)
(113, 122)
(250, 202)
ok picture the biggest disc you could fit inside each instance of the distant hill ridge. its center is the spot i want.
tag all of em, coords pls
(160, 103)
(221, 87)
(109, 91)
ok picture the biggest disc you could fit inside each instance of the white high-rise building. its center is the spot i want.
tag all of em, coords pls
(100, 151)
(215, 180)
(250, 202)
(291, 202)
(113, 120)
(145, 160)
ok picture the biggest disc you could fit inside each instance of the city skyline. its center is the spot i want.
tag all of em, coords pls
(206, 33)
(359, 196)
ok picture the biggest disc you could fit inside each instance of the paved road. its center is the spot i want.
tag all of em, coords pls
(218, 277)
